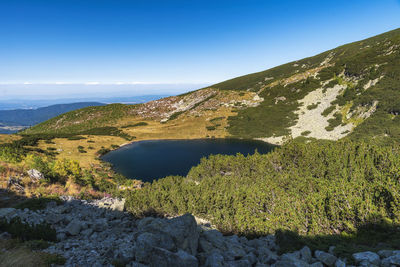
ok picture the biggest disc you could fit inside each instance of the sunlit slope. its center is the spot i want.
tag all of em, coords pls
(352, 90)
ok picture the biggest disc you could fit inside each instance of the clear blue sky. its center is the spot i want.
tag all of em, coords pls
(116, 41)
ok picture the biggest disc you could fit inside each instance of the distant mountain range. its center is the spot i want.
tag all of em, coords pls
(12, 121)
(10, 104)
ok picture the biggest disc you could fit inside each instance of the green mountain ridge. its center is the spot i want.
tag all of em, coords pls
(351, 90)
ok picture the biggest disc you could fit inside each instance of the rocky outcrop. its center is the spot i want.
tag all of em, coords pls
(99, 233)
(35, 175)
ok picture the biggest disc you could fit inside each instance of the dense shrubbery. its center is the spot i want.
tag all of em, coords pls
(316, 188)
(55, 170)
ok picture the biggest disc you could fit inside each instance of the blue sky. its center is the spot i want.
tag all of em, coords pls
(112, 42)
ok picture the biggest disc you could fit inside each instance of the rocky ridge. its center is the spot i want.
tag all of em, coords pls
(100, 233)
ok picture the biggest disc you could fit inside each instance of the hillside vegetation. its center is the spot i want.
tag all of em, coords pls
(320, 188)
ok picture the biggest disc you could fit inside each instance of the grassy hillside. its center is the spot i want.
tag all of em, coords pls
(349, 91)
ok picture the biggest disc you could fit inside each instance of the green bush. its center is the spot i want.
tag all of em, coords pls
(317, 188)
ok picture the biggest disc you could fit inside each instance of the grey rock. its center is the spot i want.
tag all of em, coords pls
(325, 258)
(215, 259)
(7, 212)
(234, 250)
(317, 264)
(87, 232)
(305, 254)
(215, 238)
(100, 225)
(136, 264)
(251, 258)
(147, 240)
(183, 230)
(159, 257)
(205, 246)
(266, 256)
(385, 253)
(35, 174)
(368, 256)
(74, 227)
(291, 262)
(392, 260)
(340, 263)
(238, 263)
(54, 218)
(61, 236)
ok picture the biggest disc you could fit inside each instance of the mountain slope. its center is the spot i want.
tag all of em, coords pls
(352, 90)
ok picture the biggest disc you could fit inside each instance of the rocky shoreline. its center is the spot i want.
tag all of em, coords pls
(100, 233)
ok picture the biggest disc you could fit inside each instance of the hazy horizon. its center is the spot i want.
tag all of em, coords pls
(69, 48)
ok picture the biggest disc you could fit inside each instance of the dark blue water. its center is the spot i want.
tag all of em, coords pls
(149, 160)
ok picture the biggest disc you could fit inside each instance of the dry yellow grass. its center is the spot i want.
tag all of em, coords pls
(7, 138)
(21, 257)
(68, 149)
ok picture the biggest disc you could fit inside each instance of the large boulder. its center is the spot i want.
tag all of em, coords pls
(74, 227)
(182, 230)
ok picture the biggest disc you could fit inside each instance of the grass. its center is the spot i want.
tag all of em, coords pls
(36, 203)
(15, 253)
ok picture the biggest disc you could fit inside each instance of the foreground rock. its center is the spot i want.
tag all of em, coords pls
(99, 233)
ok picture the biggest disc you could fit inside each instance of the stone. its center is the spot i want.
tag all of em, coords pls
(74, 227)
(215, 238)
(368, 256)
(238, 263)
(118, 205)
(317, 264)
(234, 250)
(340, 263)
(291, 262)
(7, 212)
(385, 253)
(87, 232)
(205, 246)
(146, 241)
(61, 236)
(392, 260)
(163, 258)
(305, 254)
(53, 218)
(183, 230)
(5, 236)
(251, 258)
(215, 259)
(325, 258)
(100, 225)
(35, 174)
